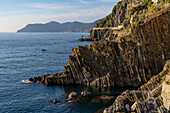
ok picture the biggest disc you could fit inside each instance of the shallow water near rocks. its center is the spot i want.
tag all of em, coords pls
(21, 58)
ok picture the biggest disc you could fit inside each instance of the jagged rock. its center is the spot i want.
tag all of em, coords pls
(86, 94)
(133, 61)
(146, 99)
(81, 39)
(166, 93)
(55, 101)
(130, 63)
(87, 39)
(133, 107)
(72, 96)
(103, 98)
(31, 79)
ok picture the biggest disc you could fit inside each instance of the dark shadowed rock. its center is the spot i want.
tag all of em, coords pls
(81, 39)
(31, 79)
(43, 50)
(86, 94)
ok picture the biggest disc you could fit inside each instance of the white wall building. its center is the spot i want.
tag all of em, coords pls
(155, 1)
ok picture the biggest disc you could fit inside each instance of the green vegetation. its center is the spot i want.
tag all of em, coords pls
(132, 11)
(138, 22)
(149, 4)
(163, 78)
(101, 23)
(119, 3)
(137, 8)
(167, 82)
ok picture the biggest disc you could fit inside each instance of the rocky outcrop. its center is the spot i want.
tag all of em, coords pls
(147, 98)
(101, 34)
(86, 96)
(166, 92)
(126, 15)
(130, 63)
(120, 16)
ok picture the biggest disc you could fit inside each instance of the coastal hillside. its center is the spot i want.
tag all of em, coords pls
(128, 63)
(129, 50)
(58, 27)
(124, 17)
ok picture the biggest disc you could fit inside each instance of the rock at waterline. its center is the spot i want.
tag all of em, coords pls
(86, 39)
(43, 50)
(86, 94)
(81, 39)
(54, 101)
(72, 95)
(31, 79)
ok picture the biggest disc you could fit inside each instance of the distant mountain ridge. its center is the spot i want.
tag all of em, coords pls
(58, 27)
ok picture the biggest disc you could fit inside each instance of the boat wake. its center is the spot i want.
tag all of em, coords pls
(26, 81)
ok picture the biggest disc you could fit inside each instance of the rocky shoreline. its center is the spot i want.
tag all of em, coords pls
(133, 60)
(130, 63)
(150, 97)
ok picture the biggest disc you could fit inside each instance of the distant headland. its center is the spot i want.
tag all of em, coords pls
(58, 27)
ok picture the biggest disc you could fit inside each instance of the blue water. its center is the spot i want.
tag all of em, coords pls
(21, 58)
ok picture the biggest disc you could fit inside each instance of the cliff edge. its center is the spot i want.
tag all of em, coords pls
(128, 63)
(131, 60)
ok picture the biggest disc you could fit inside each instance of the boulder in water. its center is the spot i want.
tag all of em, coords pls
(43, 50)
(31, 79)
(73, 95)
(86, 94)
(55, 101)
(81, 39)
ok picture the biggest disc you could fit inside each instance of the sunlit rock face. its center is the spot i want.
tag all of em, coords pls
(129, 63)
(166, 92)
(150, 97)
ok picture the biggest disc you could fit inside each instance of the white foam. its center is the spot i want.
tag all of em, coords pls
(26, 81)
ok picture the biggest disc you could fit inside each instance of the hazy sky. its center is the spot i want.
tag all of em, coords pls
(16, 14)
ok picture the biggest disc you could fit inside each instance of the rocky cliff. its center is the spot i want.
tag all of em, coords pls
(127, 14)
(151, 97)
(128, 63)
(166, 92)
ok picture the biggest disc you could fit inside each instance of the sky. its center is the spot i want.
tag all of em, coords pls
(16, 14)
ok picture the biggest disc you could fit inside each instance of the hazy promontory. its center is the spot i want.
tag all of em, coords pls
(58, 27)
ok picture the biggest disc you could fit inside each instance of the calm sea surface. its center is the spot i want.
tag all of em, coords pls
(21, 58)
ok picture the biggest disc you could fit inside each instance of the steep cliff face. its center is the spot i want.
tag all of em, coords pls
(120, 14)
(100, 34)
(128, 14)
(132, 62)
(147, 98)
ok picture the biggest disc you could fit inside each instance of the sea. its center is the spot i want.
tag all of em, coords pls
(21, 58)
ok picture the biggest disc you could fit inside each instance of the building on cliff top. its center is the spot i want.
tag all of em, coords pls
(155, 1)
